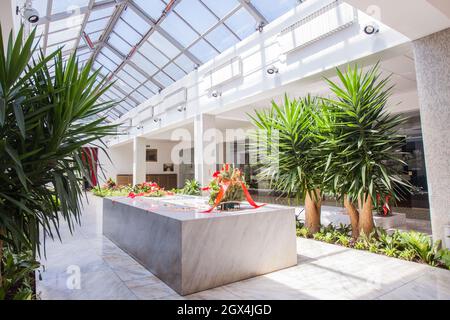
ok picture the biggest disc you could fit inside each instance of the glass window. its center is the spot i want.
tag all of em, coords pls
(134, 73)
(179, 30)
(152, 87)
(108, 63)
(68, 23)
(154, 8)
(145, 92)
(101, 13)
(111, 55)
(144, 64)
(127, 33)
(185, 63)
(148, 51)
(199, 17)
(125, 77)
(63, 36)
(136, 21)
(221, 38)
(242, 23)
(69, 45)
(119, 44)
(174, 72)
(271, 11)
(95, 26)
(41, 7)
(221, 8)
(158, 41)
(68, 5)
(137, 96)
(203, 51)
(163, 79)
(95, 37)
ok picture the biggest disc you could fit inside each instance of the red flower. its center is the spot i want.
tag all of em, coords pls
(206, 189)
(216, 174)
(131, 195)
(227, 167)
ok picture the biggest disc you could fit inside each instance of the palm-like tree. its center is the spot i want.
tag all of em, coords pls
(363, 144)
(293, 162)
(45, 121)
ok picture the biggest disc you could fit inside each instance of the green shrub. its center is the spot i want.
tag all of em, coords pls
(191, 188)
(18, 275)
(422, 245)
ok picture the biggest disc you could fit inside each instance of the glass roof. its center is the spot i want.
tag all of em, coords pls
(146, 45)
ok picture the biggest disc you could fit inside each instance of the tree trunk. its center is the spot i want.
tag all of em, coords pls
(354, 217)
(313, 204)
(366, 224)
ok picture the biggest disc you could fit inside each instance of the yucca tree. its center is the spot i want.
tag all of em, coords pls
(363, 145)
(293, 162)
(45, 121)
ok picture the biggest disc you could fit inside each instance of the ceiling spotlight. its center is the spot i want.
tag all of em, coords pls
(260, 26)
(181, 108)
(371, 29)
(156, 120)
(216, 94)
(28, 13)
(272, 70)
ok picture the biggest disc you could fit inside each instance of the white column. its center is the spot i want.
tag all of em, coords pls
(8, 18)
(205, 152)
(432, 56)
(139, 163)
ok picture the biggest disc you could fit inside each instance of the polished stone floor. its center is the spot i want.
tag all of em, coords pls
(88, 266)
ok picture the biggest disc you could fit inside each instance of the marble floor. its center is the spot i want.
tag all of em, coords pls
(88, 266)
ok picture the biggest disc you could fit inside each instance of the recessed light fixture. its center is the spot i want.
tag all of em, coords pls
(272, 70)
(371, 29)
(216, 94)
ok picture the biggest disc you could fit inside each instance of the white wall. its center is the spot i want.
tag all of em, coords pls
(122, 159)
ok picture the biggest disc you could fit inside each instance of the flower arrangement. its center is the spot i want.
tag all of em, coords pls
(227, 189)
(145, 189)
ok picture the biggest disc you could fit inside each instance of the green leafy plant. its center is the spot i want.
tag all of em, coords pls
(422, 245)
(45, 120)
(292, 161)
(191, 188)
(18, 275)
(363, 144)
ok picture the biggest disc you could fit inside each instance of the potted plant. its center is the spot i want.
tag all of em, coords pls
(363, 143)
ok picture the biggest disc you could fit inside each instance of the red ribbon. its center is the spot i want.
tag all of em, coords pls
(223, 189)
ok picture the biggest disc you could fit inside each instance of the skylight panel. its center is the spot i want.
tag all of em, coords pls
(221, 8)
(138, 97)
(111, 55)
(62, 36)
(221, 38)
(144, 64)
(174, 72)
(67, 23)
(152, 87)
(185, 63)
(95, 26)
(118, 43)
(242, 23)
(68, 5)
(161, 43)
(144, 91)
(155, 56)
(66, 46)
(196, 14)
(136, 21)
(271, 11)
(95, 37)
(154, 8)
(163, 79)
(126, 32)
(123, 86)
(101, 13)
(203, 51)
(134, 73)
(179, 30)
(106, 62)
(125, 77)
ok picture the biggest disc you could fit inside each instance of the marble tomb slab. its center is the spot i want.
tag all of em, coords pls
(192, 251)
